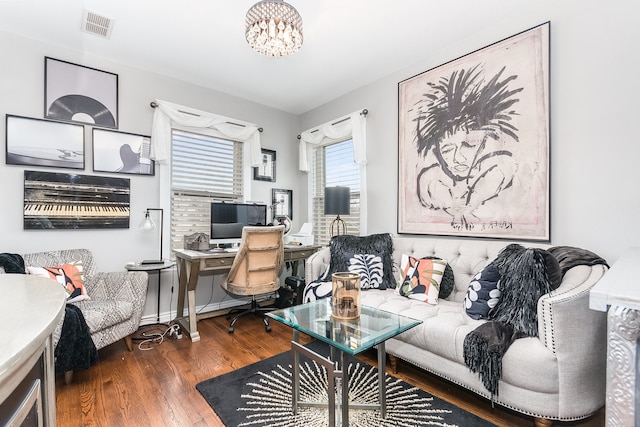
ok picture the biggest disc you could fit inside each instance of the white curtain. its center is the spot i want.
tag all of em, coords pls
(167, 113)
(353, 125)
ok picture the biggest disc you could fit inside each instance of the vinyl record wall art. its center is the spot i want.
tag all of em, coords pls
(74, 93)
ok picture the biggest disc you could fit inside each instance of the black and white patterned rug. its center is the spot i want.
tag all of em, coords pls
(260, 395)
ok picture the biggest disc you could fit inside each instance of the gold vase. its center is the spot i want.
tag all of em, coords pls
(345, 296)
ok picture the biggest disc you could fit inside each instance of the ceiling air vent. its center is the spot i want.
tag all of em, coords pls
(97, 24)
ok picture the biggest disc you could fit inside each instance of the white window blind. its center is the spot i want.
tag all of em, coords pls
(203, 169)
(334, 165)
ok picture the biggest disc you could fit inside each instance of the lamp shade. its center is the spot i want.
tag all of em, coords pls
(337, 201)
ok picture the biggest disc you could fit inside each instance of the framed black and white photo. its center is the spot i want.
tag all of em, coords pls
(267, 169)
(38, 142)
(473, 143)
(121, 152)
(54, 200)
(75, 93)
(282, 203)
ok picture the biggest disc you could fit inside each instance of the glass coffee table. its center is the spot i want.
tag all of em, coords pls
(345, 337)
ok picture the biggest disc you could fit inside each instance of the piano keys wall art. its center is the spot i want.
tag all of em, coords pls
(121, 152)
(38, 142)
(69, 201)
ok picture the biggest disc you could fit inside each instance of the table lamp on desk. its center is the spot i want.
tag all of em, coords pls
(148, 226)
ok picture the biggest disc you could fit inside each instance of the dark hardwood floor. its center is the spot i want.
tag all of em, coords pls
(157, 387)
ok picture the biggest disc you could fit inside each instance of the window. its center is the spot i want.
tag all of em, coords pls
(334, 165)
(203, 169)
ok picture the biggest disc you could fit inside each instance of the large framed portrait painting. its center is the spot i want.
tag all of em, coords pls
(473, 143)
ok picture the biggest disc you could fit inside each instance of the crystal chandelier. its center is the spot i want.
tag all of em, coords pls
(274, 28)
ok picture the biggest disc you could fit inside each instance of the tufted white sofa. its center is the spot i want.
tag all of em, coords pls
(559, 375)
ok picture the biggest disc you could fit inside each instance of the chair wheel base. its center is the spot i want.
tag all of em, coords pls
(230, 329)
(268, 328)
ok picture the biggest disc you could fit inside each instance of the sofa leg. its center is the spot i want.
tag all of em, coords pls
(393, 364)
(542, 422)
(128, 342)
(68, 377)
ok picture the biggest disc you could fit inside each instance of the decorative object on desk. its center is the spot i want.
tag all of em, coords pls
(282, 203)
(260, 394)
(75, 93)
(337, 201)
(473, 143)
(121, 152)
(284, 221)
(79, 201)
(267, 170)
(37, 142)
(147, 226)
(196, 242)
(273, 28)
(345, 295)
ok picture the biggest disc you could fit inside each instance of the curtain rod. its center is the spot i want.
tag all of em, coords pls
(364, 112)
(154, 104)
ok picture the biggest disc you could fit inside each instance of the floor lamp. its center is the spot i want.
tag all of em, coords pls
(337, 201)
(148, 226)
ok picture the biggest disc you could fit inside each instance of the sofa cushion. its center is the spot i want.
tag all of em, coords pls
(70, 276)
(422, 278)
(369, 267)
(483, 293)
(381, 244)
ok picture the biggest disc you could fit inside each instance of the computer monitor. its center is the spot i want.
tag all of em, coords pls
(228, 219)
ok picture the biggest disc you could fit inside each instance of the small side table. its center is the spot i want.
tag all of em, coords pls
(151, 268)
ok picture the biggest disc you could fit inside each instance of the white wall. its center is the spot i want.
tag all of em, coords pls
(22, 93)
(595, 196)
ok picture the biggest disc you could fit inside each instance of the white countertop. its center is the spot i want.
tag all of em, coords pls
(619, 285)
(30, 309)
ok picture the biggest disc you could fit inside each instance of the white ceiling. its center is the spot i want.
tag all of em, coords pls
(347, 43)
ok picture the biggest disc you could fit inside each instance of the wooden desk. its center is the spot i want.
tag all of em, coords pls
(191, 263)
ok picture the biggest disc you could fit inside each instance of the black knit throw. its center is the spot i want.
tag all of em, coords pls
(524, 278)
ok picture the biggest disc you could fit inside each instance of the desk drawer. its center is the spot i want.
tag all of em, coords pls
(216, 263)
(290, 256)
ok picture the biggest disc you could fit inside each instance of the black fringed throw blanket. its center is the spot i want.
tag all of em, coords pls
(75, 350)
(525, 275)
(12, 263)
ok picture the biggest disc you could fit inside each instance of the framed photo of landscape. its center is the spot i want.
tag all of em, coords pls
(38, 142)
(121, 152)
(473, 143)
(79, 94)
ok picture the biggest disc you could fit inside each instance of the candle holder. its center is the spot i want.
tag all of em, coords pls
(345, 295)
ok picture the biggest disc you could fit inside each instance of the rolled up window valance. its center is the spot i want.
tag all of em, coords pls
(352, 125)
(167, 113)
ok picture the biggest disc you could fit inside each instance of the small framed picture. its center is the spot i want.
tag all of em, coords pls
(121, 152)
(38, 142)
(282, 202)
(267, 170)
(79, 94)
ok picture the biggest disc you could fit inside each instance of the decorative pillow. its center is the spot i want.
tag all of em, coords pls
(447, 284)
(318, 289)
(483, 293)
(373, 244)
(422, 278)
(68, 275)
(369, 267)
